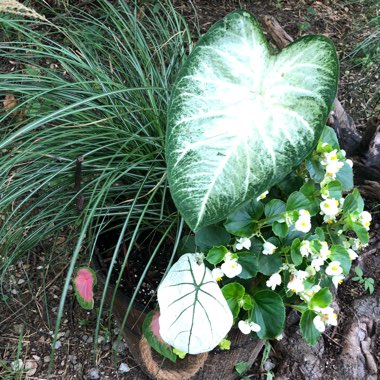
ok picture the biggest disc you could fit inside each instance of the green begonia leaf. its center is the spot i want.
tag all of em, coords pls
(319, 232)
(295, 252)
(297, 201)
(308, 330)
(328, 137)
(249, 263)
(211, 236)
(243, 221)
(308, 189)
(269, 313)
(274, 211)
(322, 299)
(241, 119)
(360, 231)
(353, 203)
(280, 229)
(315, 169)
(335, 190)
(216, 254)
(339, 253)
(269, 264)
(346, 177)
(234, 294)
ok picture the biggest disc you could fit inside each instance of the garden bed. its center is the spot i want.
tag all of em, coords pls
(32, 288)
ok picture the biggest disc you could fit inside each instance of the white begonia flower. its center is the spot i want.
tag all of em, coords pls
(242, 243)
(328, 315)
(303, 222)
(355, 244)
(334, 269)
(301, 274)
(319, 324)
(254, 327)
(349, 162)
(305, 248)
(268, 248)
(307, 294)
(274, 281)
(231, 268)
(341, 202)
(217, 274)
(317, 263)
(329, 219)
(324, 252)
(296, 283)
(353, 255)
(332, 168)
(244, 327)
(337, 280)
(329, 157)
(365, 219)
(247, 326)
(329, 207)
(262, 196)
(325, 193)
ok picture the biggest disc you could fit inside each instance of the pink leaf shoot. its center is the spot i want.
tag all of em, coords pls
(84, 282)
(155, 326)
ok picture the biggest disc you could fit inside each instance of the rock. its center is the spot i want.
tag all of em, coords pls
(31, 367)
(72, 359)
(46, 359)
(124, 368)
(57, 345)
(78, 367)
(269, 365)
(119, 346)
(93, 374)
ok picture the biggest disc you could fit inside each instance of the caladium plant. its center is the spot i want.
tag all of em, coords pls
(84, 282)
(195, 316)
(242, 118)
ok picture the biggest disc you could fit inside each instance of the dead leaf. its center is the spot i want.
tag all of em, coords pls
(9, 102)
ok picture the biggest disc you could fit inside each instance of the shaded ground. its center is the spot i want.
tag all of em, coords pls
(32, 290)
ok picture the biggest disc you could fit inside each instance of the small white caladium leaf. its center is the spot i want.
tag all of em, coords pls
(242, 118)
(194, 315)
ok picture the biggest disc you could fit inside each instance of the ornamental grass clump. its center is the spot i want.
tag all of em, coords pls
(82, 141)
(262, 182)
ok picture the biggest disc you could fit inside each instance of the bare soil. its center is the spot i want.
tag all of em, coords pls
(31, 291)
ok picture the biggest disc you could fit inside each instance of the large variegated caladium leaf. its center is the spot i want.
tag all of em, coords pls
(194, 315)
(241, 118)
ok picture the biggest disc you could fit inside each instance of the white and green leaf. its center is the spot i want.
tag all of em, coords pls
(241, 118)
(195, 316)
